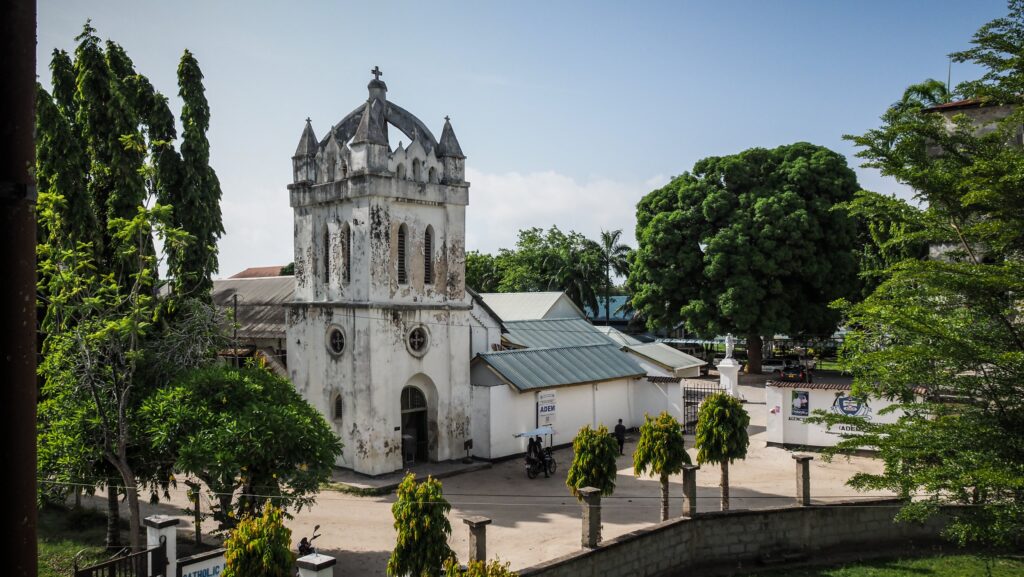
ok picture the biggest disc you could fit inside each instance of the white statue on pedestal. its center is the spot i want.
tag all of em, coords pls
(730, 344)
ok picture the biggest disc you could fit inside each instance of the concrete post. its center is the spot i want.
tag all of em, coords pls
(167, 527)
(690, 490)
(803, 479)
(591, 516)
(729, 371)
(316, 565)
(477, 537)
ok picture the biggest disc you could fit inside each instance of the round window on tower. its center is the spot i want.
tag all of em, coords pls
(335, 340)
(417, 341)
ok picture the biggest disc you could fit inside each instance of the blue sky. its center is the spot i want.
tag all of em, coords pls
(568, 112)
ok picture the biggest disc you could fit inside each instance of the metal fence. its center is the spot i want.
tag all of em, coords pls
(694, 393)
(132, 565)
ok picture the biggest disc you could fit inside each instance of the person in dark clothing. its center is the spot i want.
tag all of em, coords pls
(539, 447)
(620, 435)
(531, 447)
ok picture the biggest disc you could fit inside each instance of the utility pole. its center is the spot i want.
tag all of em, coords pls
(18, 289)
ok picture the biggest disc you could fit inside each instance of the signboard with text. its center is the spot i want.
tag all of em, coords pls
(209, 564)
(545, 408)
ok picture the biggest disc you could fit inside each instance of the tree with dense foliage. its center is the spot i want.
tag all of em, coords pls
(483, 272)
(244, 432)
(196, 201)
(722, 435)
(615, 258)
(890, 231)
(662, 451)
(593, 461)
(105, 158)
(756, 243)
(260, 546)
(421, 519)
(944, 337)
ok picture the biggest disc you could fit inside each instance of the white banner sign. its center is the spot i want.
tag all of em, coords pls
(545, 408)
(205, 568)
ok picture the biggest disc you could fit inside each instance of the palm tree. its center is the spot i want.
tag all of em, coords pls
(931, 92)
(722, 435)
(614, 258)
(576, 269)
(662, 450)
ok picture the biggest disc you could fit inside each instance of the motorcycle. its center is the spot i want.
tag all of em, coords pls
(306, 545)
(535, 466)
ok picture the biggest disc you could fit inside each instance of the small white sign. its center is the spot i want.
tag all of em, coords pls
(208, 568)
(545, 408)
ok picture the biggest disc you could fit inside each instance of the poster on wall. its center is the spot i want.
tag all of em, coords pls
(546, 408)
(801, 403)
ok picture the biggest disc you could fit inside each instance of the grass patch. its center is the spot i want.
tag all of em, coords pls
(63, 533)
(967, 565)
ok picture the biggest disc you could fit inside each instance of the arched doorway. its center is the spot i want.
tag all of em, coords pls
(415, 433)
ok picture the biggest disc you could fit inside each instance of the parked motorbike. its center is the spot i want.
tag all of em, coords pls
(535, 466)
(306, 545)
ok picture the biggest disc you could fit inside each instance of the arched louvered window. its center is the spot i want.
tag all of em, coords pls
(403, 233)
(327, 256)
(346, 254)
(428, 256)
(339, 407)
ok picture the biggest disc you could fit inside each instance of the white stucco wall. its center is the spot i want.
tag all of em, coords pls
(510, 412)
(785, 428)
(653, 398)
(371, 373)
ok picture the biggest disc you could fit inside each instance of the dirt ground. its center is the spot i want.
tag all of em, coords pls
(537, 520)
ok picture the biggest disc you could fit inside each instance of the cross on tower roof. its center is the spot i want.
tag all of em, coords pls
(376, 73)
(446, 119)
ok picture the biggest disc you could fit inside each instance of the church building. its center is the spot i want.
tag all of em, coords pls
(381, 329)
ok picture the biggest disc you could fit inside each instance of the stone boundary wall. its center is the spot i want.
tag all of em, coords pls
(733, 539)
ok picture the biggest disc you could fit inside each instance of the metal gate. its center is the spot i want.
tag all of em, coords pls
(131, 565)
(694, 392)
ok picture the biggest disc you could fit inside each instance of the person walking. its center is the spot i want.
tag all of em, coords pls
(620, 435)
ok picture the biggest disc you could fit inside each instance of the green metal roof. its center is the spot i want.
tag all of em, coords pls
(555, 333)
(532, 369)
(666, 356)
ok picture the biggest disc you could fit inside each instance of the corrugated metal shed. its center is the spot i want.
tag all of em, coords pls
(555, 333)
(260, 304)
(619, 336)
(666, 356)
(524, 306)
(532, 369)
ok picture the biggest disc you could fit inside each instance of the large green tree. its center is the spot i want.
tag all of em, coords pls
(662, 451)
(721, 435)
(244, 432)
(756, 243)
(196, 199)
(944, 337)
(105, 157)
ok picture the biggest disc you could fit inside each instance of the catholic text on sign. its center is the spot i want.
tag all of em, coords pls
(203, 565)
(545, 408)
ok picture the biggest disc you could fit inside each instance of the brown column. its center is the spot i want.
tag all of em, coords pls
(18, 288)
(690, 490)
(591, 516)
(803, 479)
(477, 537)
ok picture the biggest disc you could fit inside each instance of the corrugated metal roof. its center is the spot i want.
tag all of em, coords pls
(260, 304)
(619, 336)
(522, 306)
(555, 333)
(666, 356)
(532, 369)
(826, 386)
(259, 272)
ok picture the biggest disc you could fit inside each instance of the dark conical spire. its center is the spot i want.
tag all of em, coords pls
(373, 125)
(449, 145)
(308, 144)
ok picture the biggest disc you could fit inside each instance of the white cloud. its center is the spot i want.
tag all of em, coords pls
(502, 204)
